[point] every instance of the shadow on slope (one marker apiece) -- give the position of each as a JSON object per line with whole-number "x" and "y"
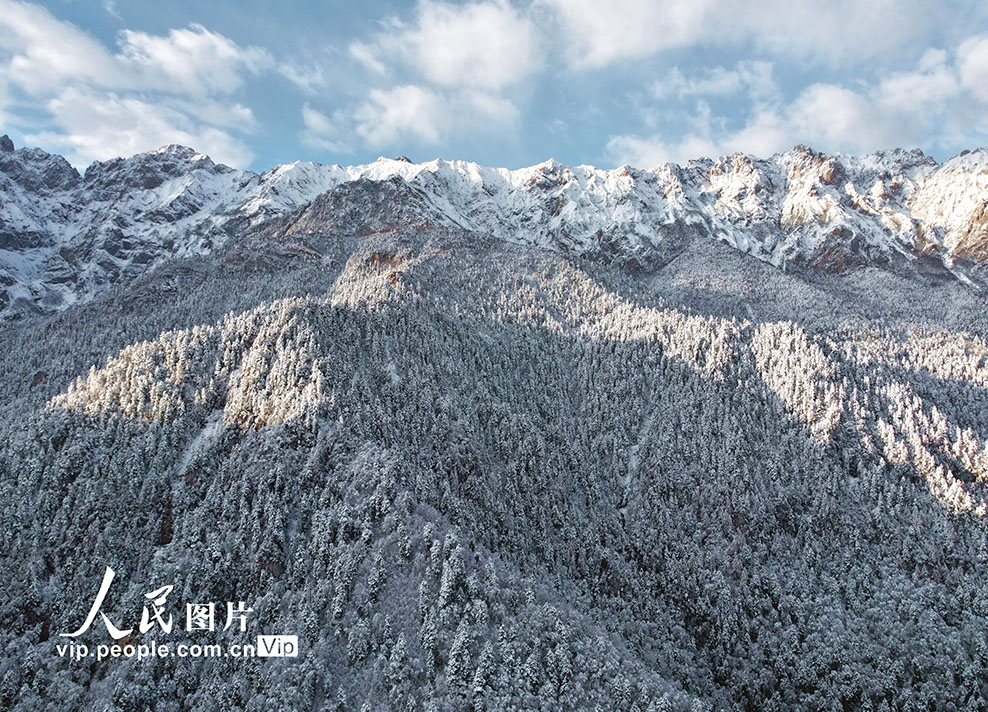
{"x": 696, "y": 503}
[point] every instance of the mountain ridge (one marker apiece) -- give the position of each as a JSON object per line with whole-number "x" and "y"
{"x": 472, "y": 474}
{"x": 65, "y": 236}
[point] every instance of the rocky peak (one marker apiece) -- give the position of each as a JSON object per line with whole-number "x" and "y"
{"x": 147, "y": 171}
{"x": 799, "y": 208}
{"x": 6, "y": 145}
{"x": 37, "y": 171}
{"x": 904, "y": 159}
{"x": 359, "y": 207}
{"x": 953, "y": 201}
{"x": 975, "y": 159}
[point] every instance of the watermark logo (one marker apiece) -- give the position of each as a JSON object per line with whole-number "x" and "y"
{"x": 277, "y": 646}
{"x": 199, "y": 617}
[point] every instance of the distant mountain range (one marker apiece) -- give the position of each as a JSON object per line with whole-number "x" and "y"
{"x": 65, "y": 236}
{"x": 545, "y": 439}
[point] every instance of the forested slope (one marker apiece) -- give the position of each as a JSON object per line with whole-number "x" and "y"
{"x": 476, "y": 475}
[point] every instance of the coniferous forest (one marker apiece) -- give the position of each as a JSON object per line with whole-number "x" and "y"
{"x": 470, "y": 475}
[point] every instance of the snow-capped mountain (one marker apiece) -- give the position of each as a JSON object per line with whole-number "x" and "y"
{"x": 468, "y": 473}
{"x": 65, "y": 236}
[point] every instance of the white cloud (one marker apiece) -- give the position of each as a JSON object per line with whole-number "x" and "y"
{"x": 449, "y": 72}
{"x": 754, "y": 77}
{"x": 933, "y": 82}
{"x": 837, "y": 118}
{"x": 321, "y": 131}
{"x": 408, "y": 113}
{"x": 367, "y": 55}
{"x": 194, "y": 60}
{"x": 927, "y": 106}
{"x": 824, "y": 116}
{"x": 154, "y": 89}
{"x": 837, "y": 32}
{"x": 766, "y": 132}
{"x": 972, "y": 58}
{"x": 491, "y": 108}
{"x": 41, "y": 52}
{"x": 3, "y": 101}
{"x": 595, "y": 34}
{"x": 223, "y": 114}
{"x": 403, "y": 112}
{"x": 100, "y": 126}
{"x": 310, "y": 78}
{"x": 485, "y": 45}
{"x": 718, "y": 81}
{"x": 653, "y": 151}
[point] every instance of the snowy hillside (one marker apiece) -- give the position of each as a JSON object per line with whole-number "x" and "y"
{"x": 475, "y": 475}
{"x": 65, "y": 236}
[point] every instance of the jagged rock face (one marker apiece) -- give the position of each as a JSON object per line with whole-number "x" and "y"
{"x": 360, "y": 207}
{"x": 807, "y": 208}
{"x": 953, "y": 204}
{"x": 65, "y": 237}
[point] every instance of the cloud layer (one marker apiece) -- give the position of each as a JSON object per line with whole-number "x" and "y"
{"x": 452, "y": 69}
{"x": 151, "y": 91}
{"x": 938, "y": 102}
{"x": 461, "y": 68}
{"x": 628, "y": 81}
{"x": 839, "y": 32}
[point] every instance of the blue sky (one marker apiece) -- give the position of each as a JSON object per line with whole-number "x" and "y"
{"x": 504, "y": 83}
